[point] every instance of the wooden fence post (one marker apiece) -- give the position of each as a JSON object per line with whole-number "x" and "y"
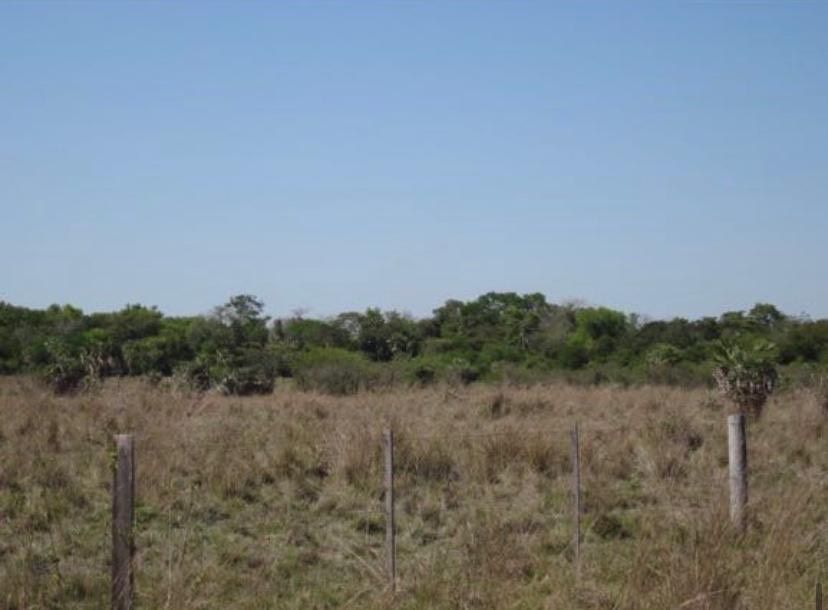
{"x": 390, "y": 533}
{"x": 123, "y": 516}
{"x": 737, "y": 461}
{"x": 576, "y": 497}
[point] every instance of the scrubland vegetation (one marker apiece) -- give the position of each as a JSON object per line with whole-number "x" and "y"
{"x": 275, "y": 501}
{"x": 498, "y": 337}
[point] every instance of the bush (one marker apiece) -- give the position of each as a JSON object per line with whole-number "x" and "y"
{"x": 424, "y": 370}
{"x": 662, "y": 355}
{"x": 451, "y": 369}
{"x": 194, "y": 374}
{"x": 684, "y": 374}
{"x": 520, "y": 374}
{"x": 462, "y": 371}
{"x": 573, "y": 355}
{"x": 65, "y": 376}
{"x": 253, "y": 371}
{"x": 334, "y": 371}
{"x": 423, "y": 373}
{"x": 250, "y": 371}
{"x": 67, "y": 370}
{"x": 143, "y": 356}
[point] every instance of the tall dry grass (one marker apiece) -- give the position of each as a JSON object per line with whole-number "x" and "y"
{"x": 275, "y": 502}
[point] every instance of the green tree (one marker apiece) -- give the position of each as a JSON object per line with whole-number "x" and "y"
{"x": 231, "y": 349}
{"x": 598, "y": 330}
{"x": 302, "y": 333}
{"x": 374, "y": 335}
{"x": 766, "y": 316}
{"x": 244, "y": 315}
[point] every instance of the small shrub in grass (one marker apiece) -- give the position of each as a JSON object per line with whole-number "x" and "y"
{"x": 252, "y": 371}
{"x": 246, "y": 381}
{"x": 334, "y": 371}
{"x": 361, "y": 463}
{"x": 461, "y": 371}
{"x": 428, "y": 369}
{"x": 683, "y": 374}
{"x": 194, "y": 374}
{"x": 496, "y": 406}
{"x": 425, "y": 459}
{"x": 424, "y": 374}
{"x": 519, "y": 374}
{"x": 369, "y": 524}
{"x": 610, "y": 527}
{"x": 148, "y": 355}
{"x": 65, "y": 375}
{"x": 70, "y": 370}
{"x": 244, "y": 373}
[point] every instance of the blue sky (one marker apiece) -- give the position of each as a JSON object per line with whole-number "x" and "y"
{"x": 663, "y": 158}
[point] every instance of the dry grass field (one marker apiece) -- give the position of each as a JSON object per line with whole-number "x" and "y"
{"x": 276, "y": 502}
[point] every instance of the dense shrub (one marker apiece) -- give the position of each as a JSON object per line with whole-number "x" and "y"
{"x": 334, "y": 371}
{"x": 248, "y": 371}
{"x": 65, "y": 372}
{"x": 452, "y": 369}
{"x": 498, "y": 336}
{"x": 422, "y": 373}
{"x": 65, "y": 375}
{"x": 144, "y": 356}
{"x": 252, "y": 371}
{"x": 462, "y": 371}
{"x": 194, "y": 374}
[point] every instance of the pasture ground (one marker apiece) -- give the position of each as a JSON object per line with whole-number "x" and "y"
{"x": 276, "y": 502}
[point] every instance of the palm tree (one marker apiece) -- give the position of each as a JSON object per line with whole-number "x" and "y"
{"x": 746, "y": 374}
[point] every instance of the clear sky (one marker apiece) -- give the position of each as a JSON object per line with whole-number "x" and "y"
{"x": 663, "y": 158}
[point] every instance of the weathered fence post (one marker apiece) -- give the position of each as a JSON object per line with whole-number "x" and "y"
{"x": 737, "y": 461}
{"x": 576, "y": 497}
{"x": 123, "y": 515}
{"x": 390, "y": 533}
{"x": 818, "y": 596}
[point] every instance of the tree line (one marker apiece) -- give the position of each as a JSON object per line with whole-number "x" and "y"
{"x": 238, "y": 349}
